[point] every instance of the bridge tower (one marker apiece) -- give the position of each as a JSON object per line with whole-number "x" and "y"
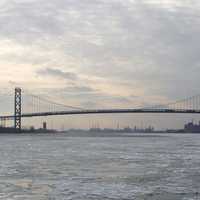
{"x": 18, "y": 107}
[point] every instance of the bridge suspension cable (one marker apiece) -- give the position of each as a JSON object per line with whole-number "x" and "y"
{"x": 39, "y": 104}
{"x": 191, "y": 103}
{"x": 35, "y": 103}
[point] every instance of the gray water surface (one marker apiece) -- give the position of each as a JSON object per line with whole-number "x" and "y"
{"x": 52, "y": 167}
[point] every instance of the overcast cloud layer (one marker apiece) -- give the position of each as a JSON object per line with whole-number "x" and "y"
{"x": 100, "y": 53}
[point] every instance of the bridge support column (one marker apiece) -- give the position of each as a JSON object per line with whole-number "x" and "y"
{"x": 18, "y": 106}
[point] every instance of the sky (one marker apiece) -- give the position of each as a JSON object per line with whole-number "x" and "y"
{"x": 101, "y": 54}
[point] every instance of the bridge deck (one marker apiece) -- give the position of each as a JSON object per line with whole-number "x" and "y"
{"x": 103, "y": 111}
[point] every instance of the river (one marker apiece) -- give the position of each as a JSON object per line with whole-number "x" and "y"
{"x": 153, "y": 167}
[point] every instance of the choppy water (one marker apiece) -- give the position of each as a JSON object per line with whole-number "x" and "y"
{"x": 52, "y": 167}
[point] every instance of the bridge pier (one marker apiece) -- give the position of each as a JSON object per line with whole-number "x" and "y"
{"x": 18, "y": 107}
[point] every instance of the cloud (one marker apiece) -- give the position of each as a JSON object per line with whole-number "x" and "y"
{"x": 57, "y": 73}
{"x": 143, "y": 43}
{"x": 79, "y": 89}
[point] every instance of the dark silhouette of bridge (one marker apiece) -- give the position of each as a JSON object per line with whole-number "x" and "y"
{"x": 189, "y": 105}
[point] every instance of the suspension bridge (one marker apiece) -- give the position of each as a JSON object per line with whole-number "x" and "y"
{"x": 40, "y": 107}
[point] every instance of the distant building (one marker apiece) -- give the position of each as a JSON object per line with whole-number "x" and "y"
{"x": 192, "y": 128}
{"x": 32, "y": 128}
{"x": 44, "y": 126}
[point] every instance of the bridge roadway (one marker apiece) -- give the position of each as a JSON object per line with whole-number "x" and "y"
{"x": 102, "y": 111}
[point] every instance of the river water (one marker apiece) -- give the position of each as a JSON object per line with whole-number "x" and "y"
{"x": 42, "y": 167}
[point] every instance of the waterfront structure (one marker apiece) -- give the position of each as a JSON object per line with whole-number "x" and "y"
{"x": 192, "y": 128}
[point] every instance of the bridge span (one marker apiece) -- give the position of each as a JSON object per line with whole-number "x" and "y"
{"x": 103, "y": 111}
{"x": 186, "y": 106}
